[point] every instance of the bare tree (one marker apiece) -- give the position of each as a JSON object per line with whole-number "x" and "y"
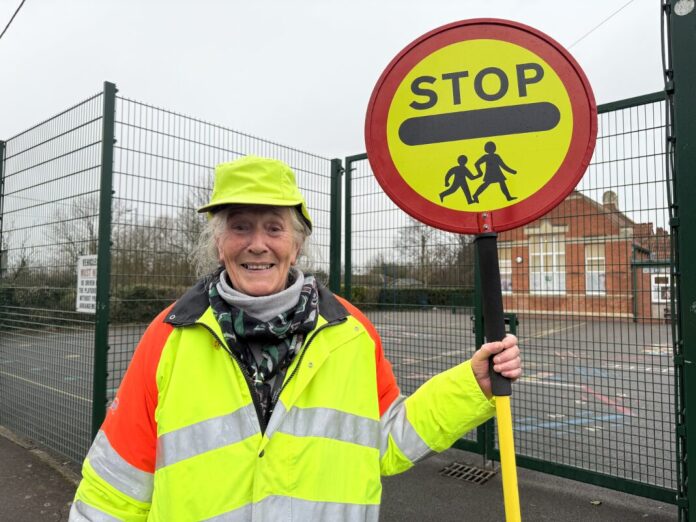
{"x": 15, "y": 260}
{"x": 159, "y": 246}
{"x": 189, "y": 222}
{"x": 423, "y": 247}
{"x": 74, "y": 231}
{"x": 457, "y": 263}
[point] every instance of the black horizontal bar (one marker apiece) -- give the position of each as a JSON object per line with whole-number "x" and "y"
{"x": 479, "y": 123}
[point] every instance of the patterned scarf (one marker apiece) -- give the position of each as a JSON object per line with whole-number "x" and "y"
{"x": 280, "y": 337}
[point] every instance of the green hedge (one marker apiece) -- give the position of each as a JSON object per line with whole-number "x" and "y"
{"x": 367, "y": 297}
{"x": 129, "y": 304}
{"x": 141, "y": 303}
{"x": 426, "y": 297}
{"x": 62, "y": 299}
{"x": 7, "y": 296}
{"x": 41, "y": 306}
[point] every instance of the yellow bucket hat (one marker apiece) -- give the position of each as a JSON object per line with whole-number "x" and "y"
{"x": 252, "y": 180}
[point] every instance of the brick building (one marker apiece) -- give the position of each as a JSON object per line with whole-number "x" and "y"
{"x": 586, "y": 259}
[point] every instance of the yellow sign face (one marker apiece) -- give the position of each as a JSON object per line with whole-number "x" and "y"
{"x": 479, "y": 125}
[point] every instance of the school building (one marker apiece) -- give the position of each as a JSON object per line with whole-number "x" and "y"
{"x": 587, "y": 259}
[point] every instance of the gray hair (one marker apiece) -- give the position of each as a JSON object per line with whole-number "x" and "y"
{"x": 204, "y": 256}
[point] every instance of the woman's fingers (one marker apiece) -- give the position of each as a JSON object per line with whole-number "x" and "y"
{"x": 510, "y": 341}
{"x": 510, "y": 369}
{"x": 506, "y": 357}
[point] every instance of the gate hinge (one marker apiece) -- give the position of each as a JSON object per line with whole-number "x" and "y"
{"x": 681, "y": 430}
{"x": 679, "y": 360}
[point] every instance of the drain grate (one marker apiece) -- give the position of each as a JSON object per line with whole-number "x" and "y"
{"x": 466, "y": 472}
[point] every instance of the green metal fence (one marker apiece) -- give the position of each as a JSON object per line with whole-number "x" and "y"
{"x": 49, "y": 200}
{"x": 118, "y": 181}
{"x": 587, "y": 288}
{"x": 589, "y": 284}
{"x": 162, "y": 172}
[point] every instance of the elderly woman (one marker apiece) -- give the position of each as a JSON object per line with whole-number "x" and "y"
{"x": 260, "y": 395}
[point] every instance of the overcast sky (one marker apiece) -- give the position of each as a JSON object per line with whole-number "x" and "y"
{"x": 296, "y": 72}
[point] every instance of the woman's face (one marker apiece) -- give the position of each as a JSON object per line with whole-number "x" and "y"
{"x": 258, "y": 247}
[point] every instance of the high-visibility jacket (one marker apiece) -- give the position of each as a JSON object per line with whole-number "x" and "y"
{"x": 182, "y": 439}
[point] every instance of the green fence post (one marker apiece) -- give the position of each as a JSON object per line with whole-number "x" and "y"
{"x": 682, "y": 25}
{"x": 348, "y": 263}
{"x": 348, "y": 231}
{"x": 335, "y": 220}
{"x": 3, "y": 253}
{"x": 101, "y": 329}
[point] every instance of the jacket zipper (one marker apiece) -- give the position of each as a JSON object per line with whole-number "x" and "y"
{"x": 247, "y": 378}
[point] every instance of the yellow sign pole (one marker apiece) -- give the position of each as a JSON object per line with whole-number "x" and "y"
{"x": 507, "y": 459}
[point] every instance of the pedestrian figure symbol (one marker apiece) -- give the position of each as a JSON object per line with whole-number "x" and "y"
{"x": 460, "y": 173}
{"x": 494, "y": 172}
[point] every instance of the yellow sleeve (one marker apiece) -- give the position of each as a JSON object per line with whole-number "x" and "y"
{"x": 442, "y": 410}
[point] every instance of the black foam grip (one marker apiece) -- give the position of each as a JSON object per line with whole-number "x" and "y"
{"x": 492, "y": 297}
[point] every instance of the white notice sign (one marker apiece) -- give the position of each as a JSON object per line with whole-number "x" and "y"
{"x": 86, "y": 284}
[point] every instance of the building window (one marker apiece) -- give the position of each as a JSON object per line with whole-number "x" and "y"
{"x": 547, "y": 264}
{"x": 660, "y": 288}
{"x": 595, "y": 270}
{"x": 505, "y": 264}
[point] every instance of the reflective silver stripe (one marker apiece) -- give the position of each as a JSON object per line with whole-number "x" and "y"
{"x": 81, "y": 512}
{"x": 208, "y": 435}
{"x": 327, "y": 423}
{"x": 113, "y": 469}
{"x": 277, "y": 417}
{"x": 288, "y": 508}
{"x": 395, "y": 423}
{"x": 242, "y": 514}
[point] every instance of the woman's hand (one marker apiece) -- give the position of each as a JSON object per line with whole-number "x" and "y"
{"x": 506, "y": 361}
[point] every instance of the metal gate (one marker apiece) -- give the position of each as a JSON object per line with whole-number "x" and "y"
{"x": 117, "y": 180}
{"x": 586, "y": 288}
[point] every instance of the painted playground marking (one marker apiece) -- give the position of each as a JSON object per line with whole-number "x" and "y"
{"x": 13, "y": 376}
{"x": 534, "y": 424}
{"x": 551, "y": 331}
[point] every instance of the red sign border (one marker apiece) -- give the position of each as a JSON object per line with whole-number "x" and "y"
{"x": 562, "y": 183}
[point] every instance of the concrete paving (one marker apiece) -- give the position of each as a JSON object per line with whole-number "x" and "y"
{"x": 36, "y": 487}
{"x": 422, "y": 493}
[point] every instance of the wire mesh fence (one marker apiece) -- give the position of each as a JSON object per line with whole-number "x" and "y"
{"x": 598, "y": 310}
{"x": 163, "y": 172}
{"x": 589, "y": 284}
{"x": 414, "y": 282}
{"x": 49, "y": 214}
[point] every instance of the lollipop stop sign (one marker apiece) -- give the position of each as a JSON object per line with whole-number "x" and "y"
{"x": 477, "y": 127}
{"x": 480, "y": 117}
